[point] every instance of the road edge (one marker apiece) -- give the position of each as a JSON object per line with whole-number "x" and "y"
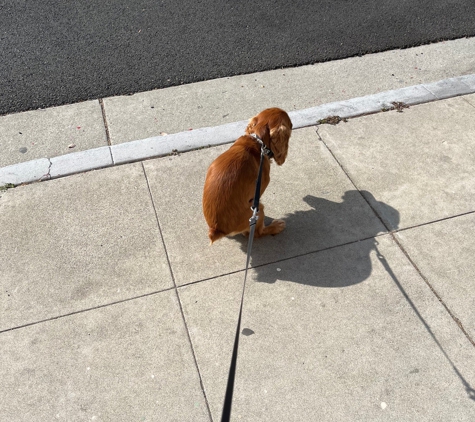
{"x": 159, "y": 146}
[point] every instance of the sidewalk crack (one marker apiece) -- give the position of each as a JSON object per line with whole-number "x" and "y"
{"x": 432, "y": 289}
{"x": 180, "y": 305}
{"x": 469, "y": 102}
{"x": 347, "y": 174}
{"x": 104, "y": 118}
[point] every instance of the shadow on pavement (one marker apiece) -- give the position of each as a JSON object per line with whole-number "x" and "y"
{"x": 325, "y": 226}
{"x": 339, "y": 265}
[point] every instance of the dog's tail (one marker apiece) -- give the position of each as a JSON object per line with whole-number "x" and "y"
{"x": 215, "y": 234}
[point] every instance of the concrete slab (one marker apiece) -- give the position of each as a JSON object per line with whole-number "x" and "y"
{"x": 310, "y": 191}
{"x": 51, "y": 132}
{"x": 211, "y": 309}
{"x": 127, "y": 362}
{"x": 339, "y": 335}
{"x": 226, "y": 100}
{"x": 77, "y": 243}
{"x": 444, "y": 251}
{"x": 419, "y": 162}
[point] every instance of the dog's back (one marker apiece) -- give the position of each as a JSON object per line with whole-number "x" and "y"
{"x": 228, "y": 189}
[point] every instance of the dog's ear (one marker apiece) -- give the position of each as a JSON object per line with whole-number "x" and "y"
{"x": 280, "y": 142}
{"x": 260, "y": 129}
{"x": 251, "y": 125}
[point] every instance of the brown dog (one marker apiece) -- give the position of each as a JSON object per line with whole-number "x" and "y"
{"x": 231, "y": 179}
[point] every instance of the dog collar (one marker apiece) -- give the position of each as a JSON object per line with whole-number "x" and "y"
{"x": 267, "y": 151}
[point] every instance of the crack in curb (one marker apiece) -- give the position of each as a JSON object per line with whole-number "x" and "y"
{"x": 47, "y": 176}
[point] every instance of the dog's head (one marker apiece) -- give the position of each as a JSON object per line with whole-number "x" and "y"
{"x": 274, "y": 127}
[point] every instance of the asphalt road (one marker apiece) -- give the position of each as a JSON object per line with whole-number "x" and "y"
{"x": 55, "y": 52}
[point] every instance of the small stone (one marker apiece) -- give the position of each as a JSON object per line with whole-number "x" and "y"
{"x": 247, "y": 332}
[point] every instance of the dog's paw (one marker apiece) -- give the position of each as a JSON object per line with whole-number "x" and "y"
{"x": 277, "y": 226}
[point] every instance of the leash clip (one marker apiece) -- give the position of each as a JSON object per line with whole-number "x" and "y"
{"x": 254, "y": 217}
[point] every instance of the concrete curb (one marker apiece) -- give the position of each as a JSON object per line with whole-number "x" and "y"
{"x": 64, "y": 165}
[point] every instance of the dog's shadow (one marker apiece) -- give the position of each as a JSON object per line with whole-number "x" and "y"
{"x": 351, "y": 224}
{"x": 329, "y": 246}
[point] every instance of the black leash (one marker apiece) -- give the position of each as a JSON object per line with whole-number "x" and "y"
{"x": 228, "y": 398}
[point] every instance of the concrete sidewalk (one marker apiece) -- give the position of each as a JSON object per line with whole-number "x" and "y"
{"x": 114, "y": 307}
{"x": 49, "y": 143}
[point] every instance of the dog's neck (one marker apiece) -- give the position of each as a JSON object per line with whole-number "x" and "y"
{"x": 266, "y": 150}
